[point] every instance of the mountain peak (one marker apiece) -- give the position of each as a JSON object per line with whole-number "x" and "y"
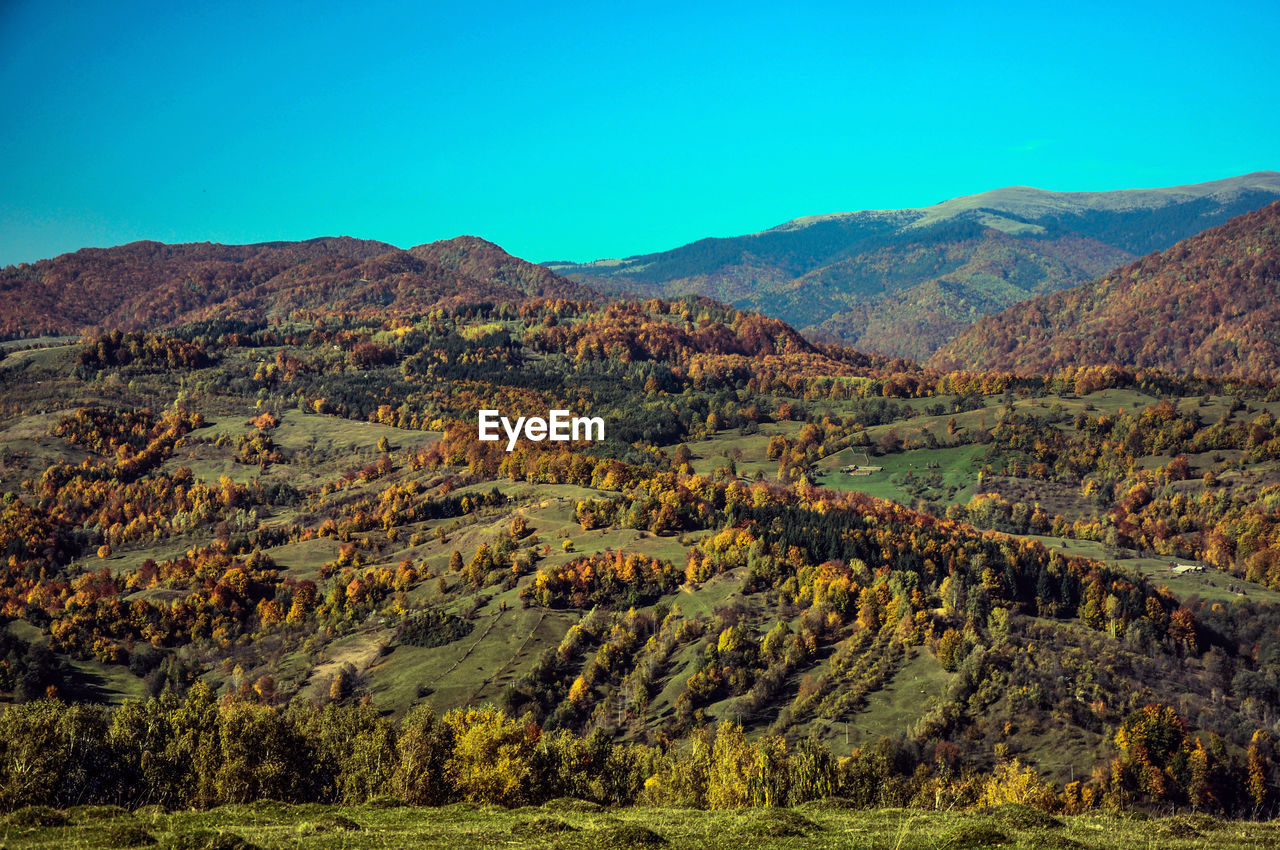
{"x": 480, "y": 258}
{"x": 467, "y": 243}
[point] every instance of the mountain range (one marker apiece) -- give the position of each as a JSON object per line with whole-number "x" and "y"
{"x": 146, "y": 285}
{"x": 901, "y": 283}
{"x": 905, "y": 282}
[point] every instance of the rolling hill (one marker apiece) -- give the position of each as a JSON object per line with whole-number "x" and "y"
{"x": 1208, "y": 305}
{"x": 150, "y": 284}
{"x": 287, "y": 535}
{"x": 904, "y": 282}
{"x": 275, "y": 551}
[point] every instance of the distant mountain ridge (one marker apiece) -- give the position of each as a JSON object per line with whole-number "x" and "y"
{"x": 151, "y": 284}
{"x": 1208, "y": 305}
{"x": 1027, "y": 203}
{"x": 904, "y": 282}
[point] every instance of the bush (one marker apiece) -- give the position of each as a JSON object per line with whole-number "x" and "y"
{"x": 974, "y": 835}
{"x": 492, "y": 758}
{"x": 1020, "y": 816}
{"x": 777, "y": 823}
{"x": 628, "y": 835}
{"x": 433, "y": 628}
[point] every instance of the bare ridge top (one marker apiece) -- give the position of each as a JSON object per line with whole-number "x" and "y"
{"x": 1030, "y": 202}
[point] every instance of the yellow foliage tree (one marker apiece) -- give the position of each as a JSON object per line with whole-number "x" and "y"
{"x": 492, "y": 758}
{"x": 1014, "y": 782}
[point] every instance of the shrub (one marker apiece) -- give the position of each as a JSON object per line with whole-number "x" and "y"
{"x": 433, "y": 628}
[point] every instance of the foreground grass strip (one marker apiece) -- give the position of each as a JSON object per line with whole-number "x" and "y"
{"x": 270, "y": 825}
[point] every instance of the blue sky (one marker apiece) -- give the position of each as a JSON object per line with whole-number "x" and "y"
{"x": 580, "y": 130}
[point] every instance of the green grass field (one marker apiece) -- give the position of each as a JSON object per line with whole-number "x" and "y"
{"x": 474, "y": 669}
{"x": 946, "y": 475}
{"x": 299, "y": 430}
{"x": 918, "y": 685}
{"x": 43, "y": 356}
{"x": 748, "y": 451}
{"x": 579, "y": 824}
{"x": 914, "y": 689}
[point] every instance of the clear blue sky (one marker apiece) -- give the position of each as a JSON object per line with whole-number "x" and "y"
{"x": 585, "y": 130}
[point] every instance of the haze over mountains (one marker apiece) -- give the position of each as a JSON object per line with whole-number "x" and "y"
{"x": 905, "y": 282}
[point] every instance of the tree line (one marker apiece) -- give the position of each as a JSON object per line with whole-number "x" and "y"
{"x": 201, "y": 752}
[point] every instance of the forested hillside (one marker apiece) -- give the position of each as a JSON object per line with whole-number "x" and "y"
{"x": 905, "y": 282}
{"x": 149, "y": 285}
{"x": 259, "y": 548}
{"x": 1208, "y": 305}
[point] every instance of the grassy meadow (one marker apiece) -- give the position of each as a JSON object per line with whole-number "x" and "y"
{"x": 579, "y": 824}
